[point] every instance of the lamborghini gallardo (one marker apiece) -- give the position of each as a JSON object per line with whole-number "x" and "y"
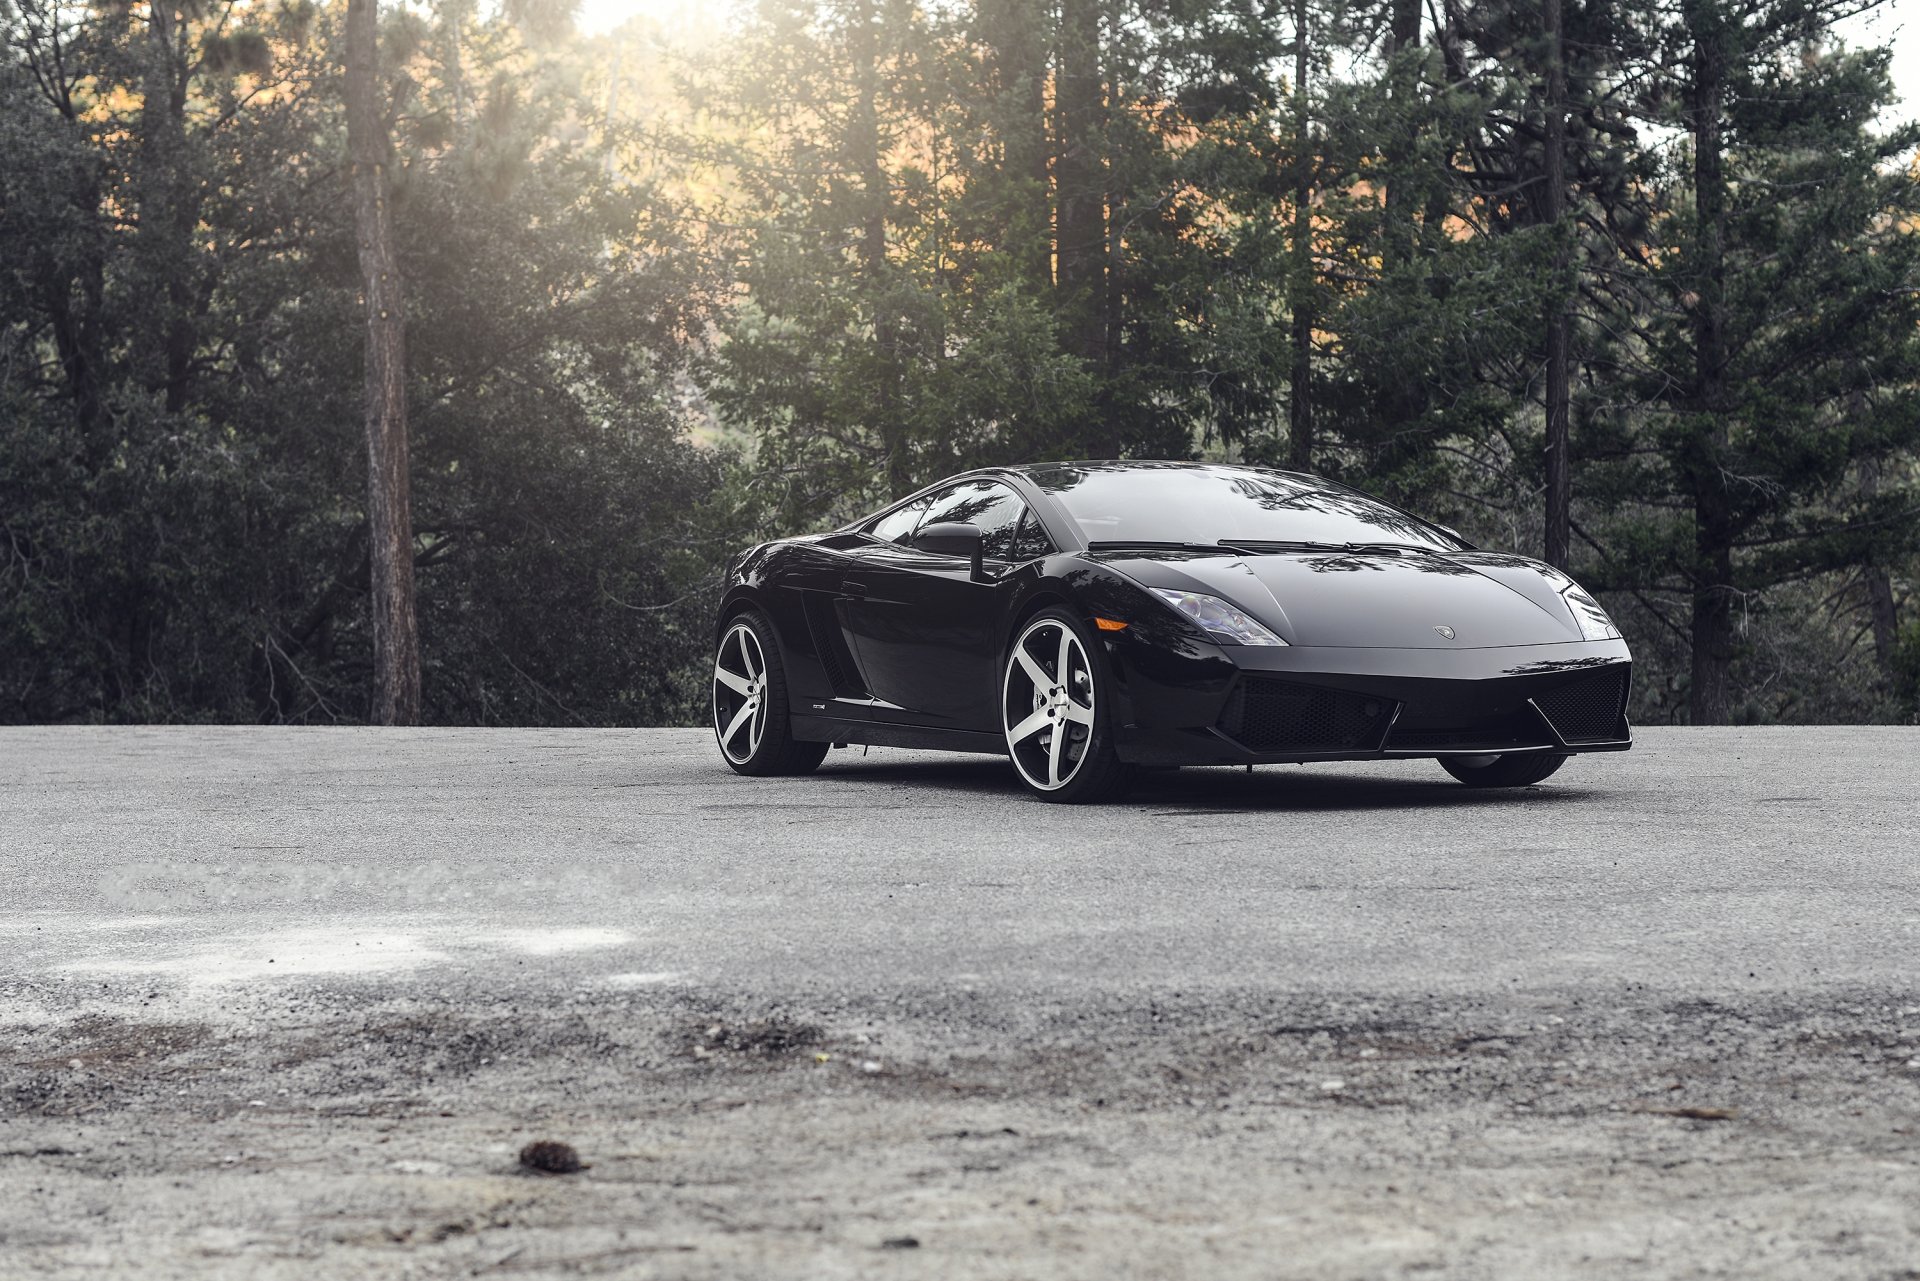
{"x": 1087, "y": 618}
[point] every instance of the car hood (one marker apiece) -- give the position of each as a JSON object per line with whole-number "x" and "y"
{"x": 1367, "y": 599}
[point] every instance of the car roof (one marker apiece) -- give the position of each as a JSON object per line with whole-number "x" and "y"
{"x": 1029, "y": 472}
{"x": 1150, "y": 465}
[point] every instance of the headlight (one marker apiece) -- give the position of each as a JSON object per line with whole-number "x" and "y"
{"x": 1218, "y": 617}
{"x": 1594, "y": 623}
{"x": 1593, "y": 620}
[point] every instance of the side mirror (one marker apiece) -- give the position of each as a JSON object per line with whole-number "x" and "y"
{"x": 950, "y": 538}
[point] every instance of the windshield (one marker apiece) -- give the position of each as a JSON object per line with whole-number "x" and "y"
{"x": 1206, "y": 505}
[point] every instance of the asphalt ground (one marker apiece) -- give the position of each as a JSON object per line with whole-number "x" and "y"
{"x": 288, "y": 1002}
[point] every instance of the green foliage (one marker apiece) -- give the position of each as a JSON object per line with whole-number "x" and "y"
{"x": 1762, "y": 348}
{"x": 1906, "y": 670}
{"x": 183, "y": 537}
{"x": 880, "y": 242}
{"x": 907, "y": 312}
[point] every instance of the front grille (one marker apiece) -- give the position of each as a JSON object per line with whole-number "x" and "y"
{"x": 1268, "y": 715}
{"x": 1589, "y": 709}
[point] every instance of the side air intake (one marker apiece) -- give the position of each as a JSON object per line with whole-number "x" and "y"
{"x": 1590, "y": 709}
{"x": 823, "y": 626}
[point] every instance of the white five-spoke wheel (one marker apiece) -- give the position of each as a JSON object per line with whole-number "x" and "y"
{"x": 750, "y": 702}
{"x": 1051, "y": 712}
{"x": 740, "y": 693}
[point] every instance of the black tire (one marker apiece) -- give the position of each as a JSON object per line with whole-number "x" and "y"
{"x": 761, "y": 742}
{"x": 1073, "y": 707}
{"x": 1515, "y": 769}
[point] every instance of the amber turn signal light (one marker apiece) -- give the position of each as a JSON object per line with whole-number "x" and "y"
{"x": 1109, "y": 624}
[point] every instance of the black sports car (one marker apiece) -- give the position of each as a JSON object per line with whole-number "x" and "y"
{"x": 1087, "y": 617}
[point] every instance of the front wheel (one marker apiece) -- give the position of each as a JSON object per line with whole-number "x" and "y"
{"x": 1514, "y": 769}
{"x": 1053, "y": 705}
{"x": 750, "y": 703}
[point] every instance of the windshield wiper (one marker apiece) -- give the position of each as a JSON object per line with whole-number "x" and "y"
{"x": 1150, "y": 545}
{"x": 1284, "y": 545}
{"x": 1249, "y": 545}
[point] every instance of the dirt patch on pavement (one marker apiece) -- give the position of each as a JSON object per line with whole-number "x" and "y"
{"x": 357, "y": 1132}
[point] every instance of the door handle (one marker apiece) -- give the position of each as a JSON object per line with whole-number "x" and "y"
{"x": 853, "y": 588}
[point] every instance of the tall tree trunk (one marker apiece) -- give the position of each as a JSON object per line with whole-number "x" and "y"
{"x": 1448, "y": 38}
{"x": 1080, "y": 218}
{"x": 1113, "y": 301}
{"x": 1713, "y": 585}
{"x": 1303, "y": 284}
{"x": 1885, "y": 613}
{"x": 1882, "y": 609}
{"x": 168, "y": 210}
{"x": 1404, "y": 395}
{"x": 1403, "y": 33}
{"x": 1014, "y": 32}
{"x": 1559, "y": 322}
{"x": 396, "y": 639}
{"x": 74, "y": 302}
{"x": 863, "y": 142}
{"x": 72, "y": 289}
{"x": 609, "y": 163}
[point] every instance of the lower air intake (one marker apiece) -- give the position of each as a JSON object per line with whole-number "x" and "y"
{"x": 1491, "y": 738}
{"x": 1268, "y": 715}
{"x": 1588, "y": 710}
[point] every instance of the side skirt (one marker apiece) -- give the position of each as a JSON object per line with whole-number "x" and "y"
{"x": 830, "y": 729}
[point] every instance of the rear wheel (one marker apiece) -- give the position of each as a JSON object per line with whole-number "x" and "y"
{"x": 1053, "y": 701}
{"x": 1514, "y": 769}
{"x": 750, "y": 703}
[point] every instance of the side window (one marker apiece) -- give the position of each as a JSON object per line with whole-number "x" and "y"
{"x": 944, "y": 502}
{"x": 894, "y": 527}
{"x": 1032, "y": 541}
{"x": 994, "y": 509}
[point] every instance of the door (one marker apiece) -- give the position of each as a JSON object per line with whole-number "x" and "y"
{"x": 924, "y": 628}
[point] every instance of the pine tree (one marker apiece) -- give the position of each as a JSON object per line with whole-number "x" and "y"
{"x": 937, "y": 276}
{"x": 1765, "y": 318}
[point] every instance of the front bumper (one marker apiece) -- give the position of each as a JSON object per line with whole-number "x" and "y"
{"x": 1235, "y": 705}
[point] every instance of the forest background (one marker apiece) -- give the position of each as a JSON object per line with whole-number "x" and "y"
{"x": 1632, "y": 285}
